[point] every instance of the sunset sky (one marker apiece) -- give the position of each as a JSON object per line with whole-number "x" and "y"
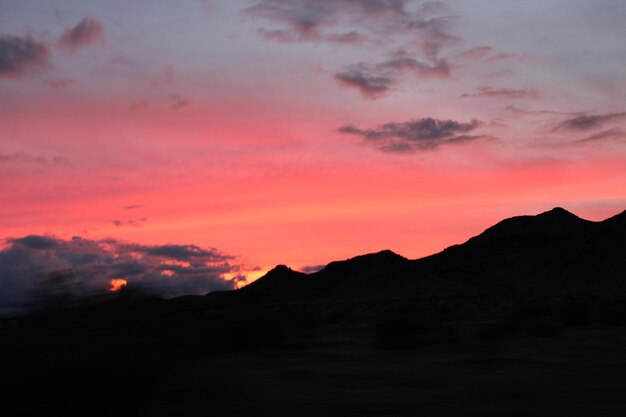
{"x": 225, "y": 137}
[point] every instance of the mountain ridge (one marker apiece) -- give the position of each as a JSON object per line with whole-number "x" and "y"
{"x": 529, "y": 252}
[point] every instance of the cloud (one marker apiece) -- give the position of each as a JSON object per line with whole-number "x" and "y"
{"x": 38, "y": 270}
{"x": 434, "y": 33}
{"x": 416, "y": 135}
{"x": 132, "y": 207}
{"x": 508, "y": 93}
{"x": 35, "y": 242}
{"x": 415, "y": 35}
{"x": 376, "y": 80}
{"x": 186, "y": 253}
{"x": 402, "y": 63}
{"x": 615, "y": 133}
{"x": 489, "y": 54}
{"x": 518, "y": 112}
{"x": 315, "y": 21}
{"x": 19, "y": 55}
{"x": 87, "y": 32}
{"x": 587, "y": 122}
{"x": 372, "y": 82}
{"x": 353, "y": 21}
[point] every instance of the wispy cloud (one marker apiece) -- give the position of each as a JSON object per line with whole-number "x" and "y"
{"x": 489, "y": 54}
{"x": 416, "y": 135}
{"x": 328, "y": 21}
{"x": 587, "y": 121}
{"x": 605, "y": 135}
{"x": 508, "y": 93}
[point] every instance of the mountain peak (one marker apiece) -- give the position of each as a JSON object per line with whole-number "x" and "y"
{"x": 280, "y": 269}
{"x": 383, "y": 255}
{"x": 558, "y": 212}
{"x": 279, "y": 280}
{"x": 280, "y": 272}
{"x": 382, "y": 259}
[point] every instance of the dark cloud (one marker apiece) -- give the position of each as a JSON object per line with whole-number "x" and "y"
{"x": 416, "y": 135}
{"x": 35, "y": 242}
{"x": 376, "y": 80}
{"x": 372, "y": 82}
{"x": 87, "y": 32}
{"x": 36, "y": 270}
{"x": 19, "y": 55}
{"x": 615, "y": 133}
{"x": 587, "y": 121}
{"x": 132, "y": 207}
{"x": 508, "y": 93}
{"x": 186, "y": 253}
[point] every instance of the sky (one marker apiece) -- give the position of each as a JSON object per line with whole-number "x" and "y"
{"x": 194, "y": 145}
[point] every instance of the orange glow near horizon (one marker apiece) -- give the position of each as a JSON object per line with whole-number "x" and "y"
{"x": 117, "y": 284}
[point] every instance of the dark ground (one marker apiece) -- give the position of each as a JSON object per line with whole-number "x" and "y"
{"x": 147, "y": 358}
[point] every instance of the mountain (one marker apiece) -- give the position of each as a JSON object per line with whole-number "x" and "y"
{"x": 493, "y": 319}
{"x": 553, "y": 253}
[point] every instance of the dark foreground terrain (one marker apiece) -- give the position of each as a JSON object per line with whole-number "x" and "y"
{"x": 529, "y": 318}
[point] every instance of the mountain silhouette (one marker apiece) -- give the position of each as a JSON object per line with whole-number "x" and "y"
{"x": 554, "y": 252}
{"x": 492, "y": 325}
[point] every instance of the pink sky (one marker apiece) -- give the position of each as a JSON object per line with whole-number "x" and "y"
{"x": 301, "y": 132}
